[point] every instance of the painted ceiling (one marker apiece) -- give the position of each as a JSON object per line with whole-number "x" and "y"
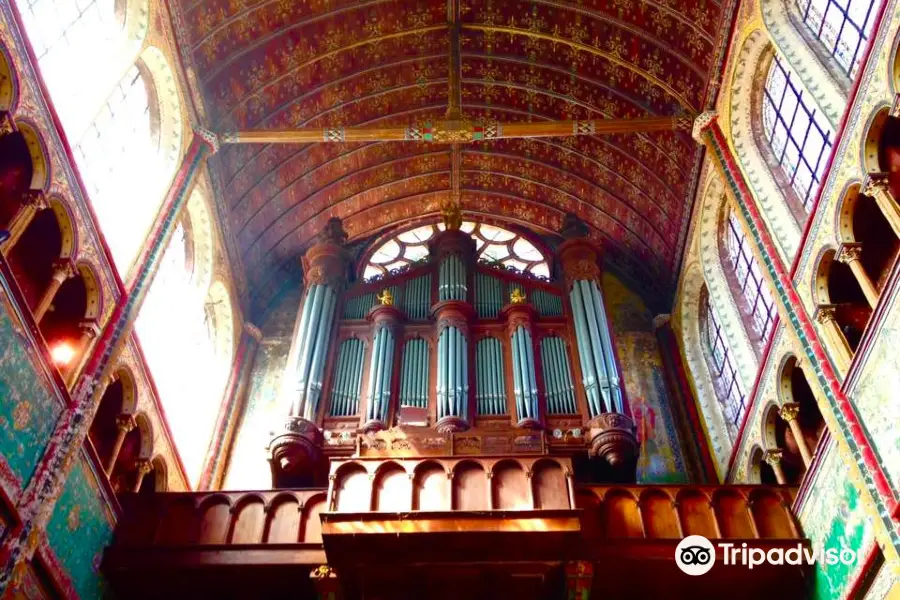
{"x": 323, "y": 63}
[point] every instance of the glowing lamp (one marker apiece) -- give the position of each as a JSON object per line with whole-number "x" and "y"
{"x": 62, "y": 353}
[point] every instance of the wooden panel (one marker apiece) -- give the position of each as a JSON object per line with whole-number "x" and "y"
{"x": 249, "y": 521}
{"x": 432, "y": 488}
{"x": 178, "y": 523}
{"x": 510, "y": 487}
{"x": 696, "y": 515}
{"x": 214, "y": 522}
{"x": 771, "y": 516}
{"x": 470, "y": 487}
{"x": 551, "y": 489}
{"x": 393, "y": 492}
{"x": 733, "y": 515}
{"x": 312, "y": 523}
{"x": 353, "y": 490}
{"x": 621, "y": 517}
{"x": 284, "y": 521}
{"x": 659, "y": 516}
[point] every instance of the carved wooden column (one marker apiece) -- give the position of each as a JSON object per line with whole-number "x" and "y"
{"x": 773, "y": 459}
{"x": 143, "y": 466}
{"x": 90, "y": 329}
{"x": 33, "y": 201}
{"x": 878, "y": 187}
{"x": 850, "y": 255}
{"x": 124, "y": 425}
{"x": 834, "y": 338}
{"x": 789, "y": 413}
{"x": 63, "y": 269}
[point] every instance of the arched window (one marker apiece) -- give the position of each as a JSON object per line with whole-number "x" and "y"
{"x": 77, "y": 44}
{"x": 758, "y": 304}
{"x": 120, "y": 160}
{"x": 798, "y": 135}
{"x": 180, "y": 328}
{"x": 725, "y": 377}
{"x": 495, "y": 245}
{"x": 843, "y": 27}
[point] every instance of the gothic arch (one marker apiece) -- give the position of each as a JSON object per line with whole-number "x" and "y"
{"x": 66, "y": 226}
{"x": 9, "y": 84}
{"x": 768, "y": 426}
{"x": 714, "y": 420}
{"x": 92, "y": 287}
{"x": 201, "y": 246}
{"x": 721, "y": 294}
{"x": 168, "y": 104}
{"x": 136, "y": 16}
{"x": 145, "y": 428}
{"x": 870, "y": 149}
{"x": 801, "y": 51}
{"x": 129, "y": 389}
{"x": 37, "y": 148}
{"x": 755, "y": 56}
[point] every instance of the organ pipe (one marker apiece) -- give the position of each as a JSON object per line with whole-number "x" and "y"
{"x": 453, "y": 384}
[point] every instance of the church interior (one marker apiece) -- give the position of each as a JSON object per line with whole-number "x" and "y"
{"x": 370, "y": 299}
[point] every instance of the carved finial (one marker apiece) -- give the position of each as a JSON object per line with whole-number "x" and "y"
{"x": 452, "y": 215}
{"x": 517, "y": 296}
{"x": 333, "y": 232}
{"x": 386, "y": 297}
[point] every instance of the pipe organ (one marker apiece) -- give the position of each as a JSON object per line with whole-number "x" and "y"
{"x": 452, "y": 344}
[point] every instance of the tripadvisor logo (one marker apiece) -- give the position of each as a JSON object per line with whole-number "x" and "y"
{"x": 696, "y": 555}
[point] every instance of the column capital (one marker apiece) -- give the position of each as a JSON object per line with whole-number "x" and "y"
{"x": 773, "y": 457}
{"x": 701, "y": 123}
{"x": 209, "y": 138}
{"x": 386, "y": 314}
{"x": 453, "y": 313}
{"x": 875, "y": 183}
{"x": 580, "y": 259}
{"x": 125, "y": 423}
{"x": 825, "y": 313}
{"x": 849, "y": 252}
{"x": 253, "y": 331}
{"x": 661, "y": 320}
{"x": 63, "y": 268}
{"x": 7, "y": 123}
{"x": 789, "y": 411}
{"x": 143, "y": 466}
{"x": 325, "y": 263}
{"x": 89, "y": 328}
{"x": 35, "y": 199}
{"x": 518, "y": 314}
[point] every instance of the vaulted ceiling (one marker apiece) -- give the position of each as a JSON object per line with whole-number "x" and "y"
{"x": 321, "y": 63}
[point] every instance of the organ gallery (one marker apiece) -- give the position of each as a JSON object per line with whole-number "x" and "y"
{"x": 506, "y": 299}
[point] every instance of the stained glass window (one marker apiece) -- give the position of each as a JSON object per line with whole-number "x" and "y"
{"x": 122, "y": 167}
{"x": 495, "y": 245}
{"x": 76, "y": 43}
{"x": 724, "y": 375}
{"x": 754, "y": 289}
{"x": 798, "y": 134}
{"x": 843, "y": 26}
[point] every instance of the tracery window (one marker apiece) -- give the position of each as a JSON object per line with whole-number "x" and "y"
{"x": 179, "y": 339}
{"x": 843, "y": 27}
{"x": 495, "y": 245}
{"x": 798, "y": 134}
{"x": 76, "y": 43}
{"x": 724, "y": 375}
{"x": 760, "y": 306}
{"x": 122, "y": 167}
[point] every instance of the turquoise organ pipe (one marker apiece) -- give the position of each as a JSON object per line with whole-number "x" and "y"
{"x": 582, "y": 337}
{"x": 423, "y": 373}
{"x": 314, "y": 348}
{"x": 464, "y": 359}
{"x": 609, "y": 351}
{"x": 307, "y": 334}
{"x": 452, "y": 278}
{"x": 549, "y": 370}
{"x": 320, "y": 355}
{"x": 387, "y": 378}
{"x": 373, "y": 375}
{"x": 488, "y": 296}
{"x": 560, "y": 391}
{"x": 357, "y": 307}
{"x": 517, "y": 377}
{"x": 546, "y": 303}
{"x": 495, "y": 366}
{"x": 345, "y": 389}
{"x": 414, "y": 388}
{"x": 356, "y": 378}
{"x": 442, "y": 374}
{"x": 417, "y": 297}
{"x": 451, "y": 371}
{"x": 532, "y": 375}
{"x": 594, "y": 341}
{"x": 338, "y": 397}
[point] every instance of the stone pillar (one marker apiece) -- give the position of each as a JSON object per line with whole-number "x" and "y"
{"x": 33, "y": 201}
{"x": 773, "y": 459}
{"x": 520, "y": 319}
{"x": 143, "y": 466}
{"x": 295, "y": 452}
{"x": 789, "y": 413}
{"x": 233, "y": 403}
{"x": 878, "y": 187}
{"x": 850, "y": 254}
{"x": 834, "y": 338}
{"x": 63, "y": 269}
{"x": 124, "y": 425}
{"x": 386, "y": 323}
{"x": 41, "y": 492}
{"x": 90, "y": 329}
{"x": 707, "y": 132}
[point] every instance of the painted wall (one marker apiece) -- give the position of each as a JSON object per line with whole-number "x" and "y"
{"x": 662, "y": 458}
{"x": 80, "y": 528}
